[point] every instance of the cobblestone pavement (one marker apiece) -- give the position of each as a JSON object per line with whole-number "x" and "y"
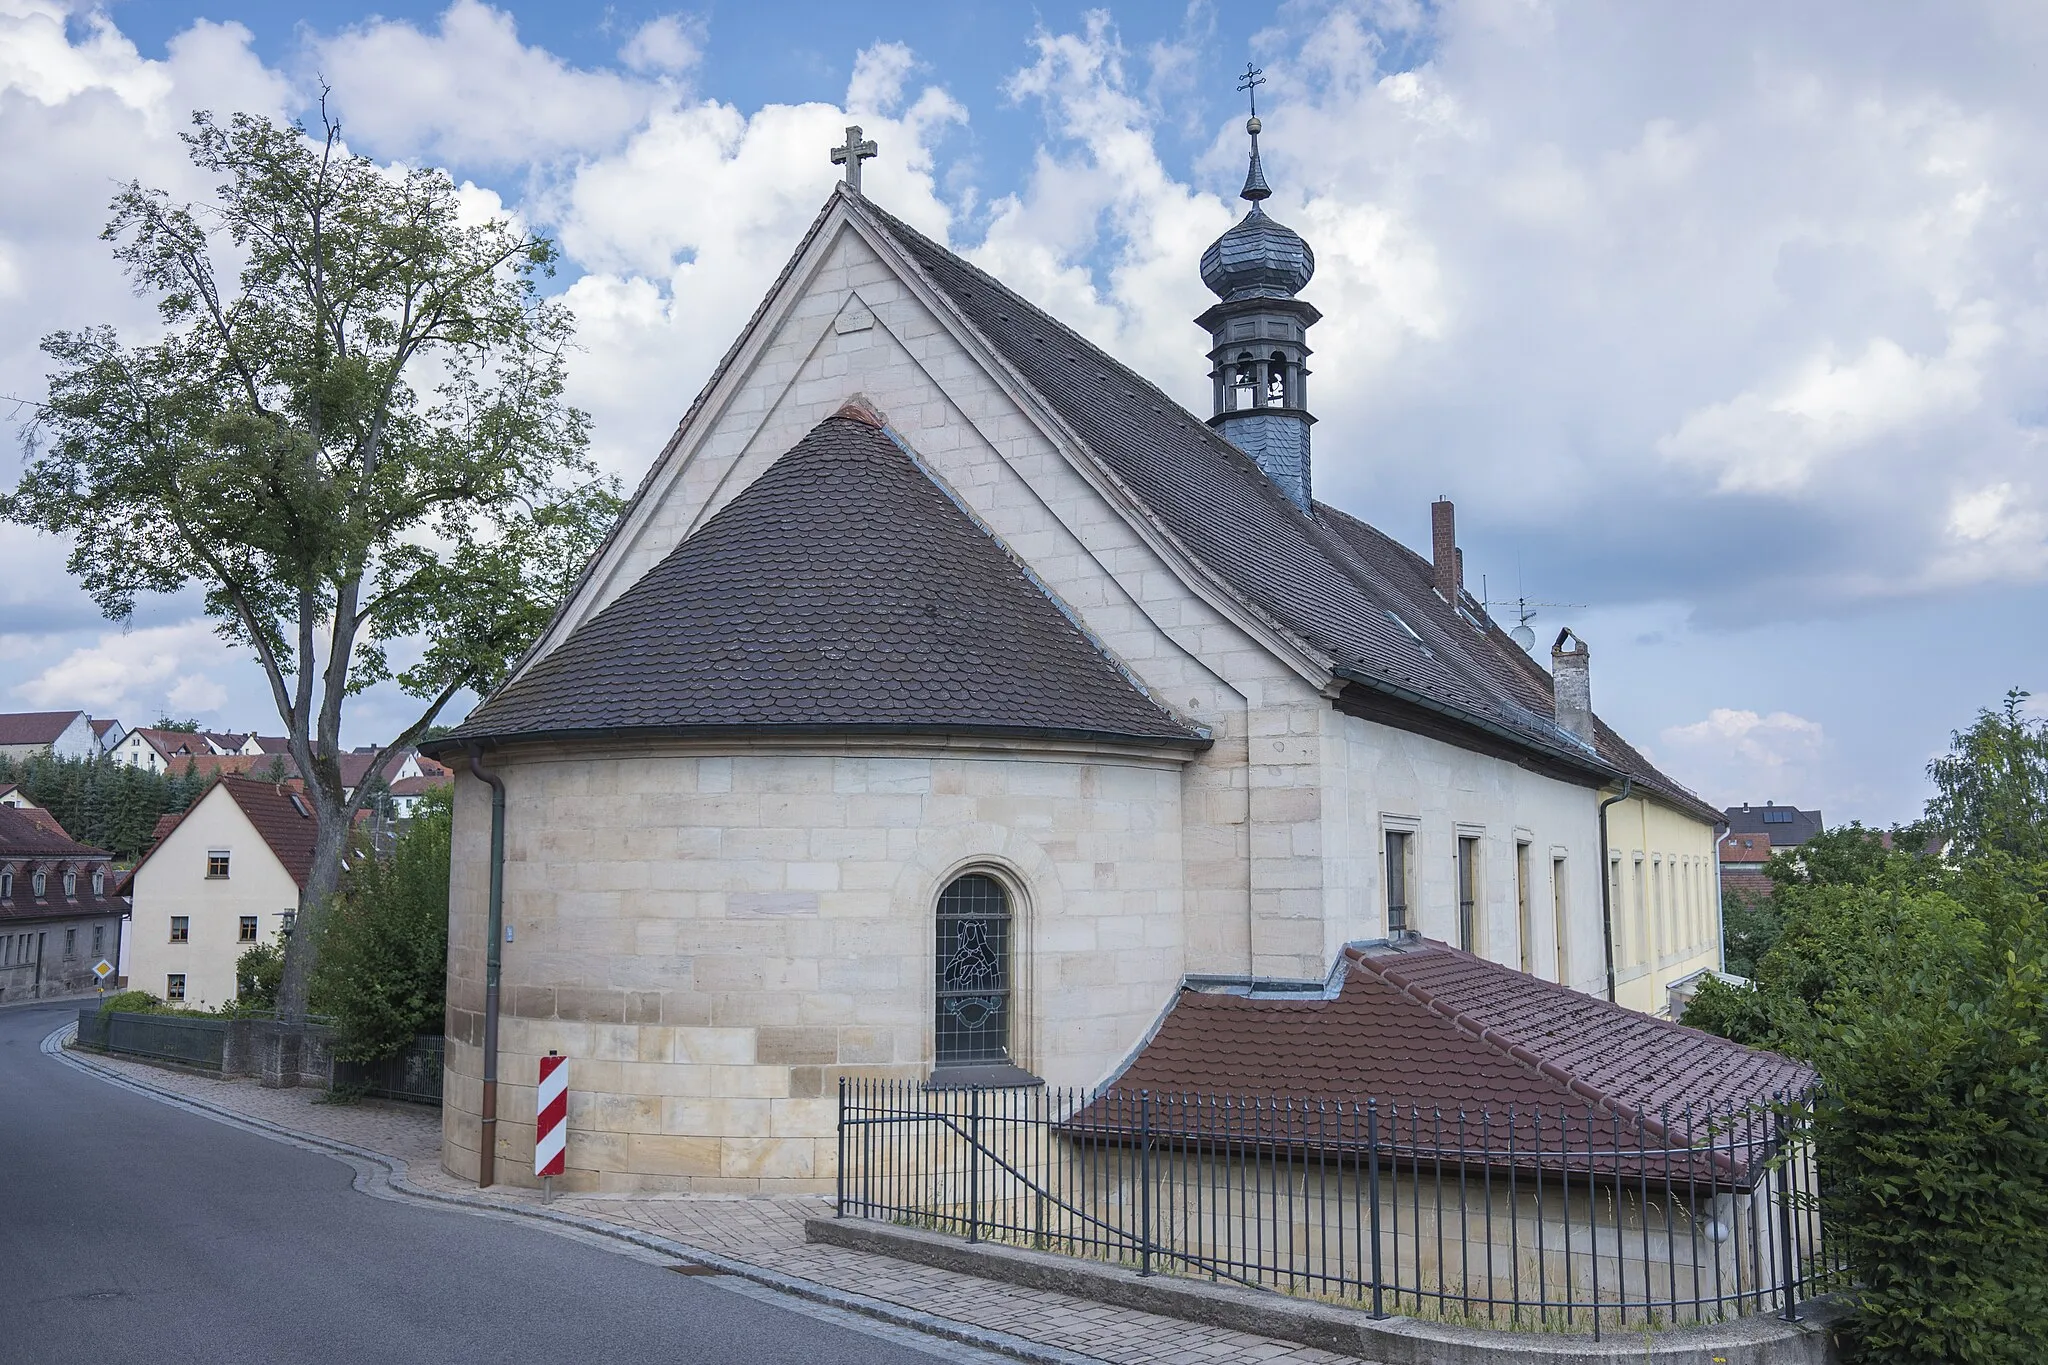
{"x": 762, "y": 1231}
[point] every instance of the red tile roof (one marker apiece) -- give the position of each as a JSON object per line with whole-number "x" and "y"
{"x": 282, "y": 817}
{"x": 24, "y": 836}
{"x": 1424, "y": 1028}
{"x": 1746, "y": 848}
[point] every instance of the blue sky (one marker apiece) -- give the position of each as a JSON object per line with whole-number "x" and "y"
{"x": 1726, "y": 327}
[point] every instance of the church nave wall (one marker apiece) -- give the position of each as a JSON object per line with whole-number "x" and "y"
{"x": 713, "y": 938}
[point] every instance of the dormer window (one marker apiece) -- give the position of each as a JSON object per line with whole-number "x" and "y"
{"x": 39, "y": 884}
{"x": 99, "y": 881}
{"x": 6, "y": 883}
{"x": 70, "y": 884}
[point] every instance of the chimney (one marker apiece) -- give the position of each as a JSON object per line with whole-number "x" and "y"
{"x": 1443, "y": 549}
{"x": 1572, "y": 687}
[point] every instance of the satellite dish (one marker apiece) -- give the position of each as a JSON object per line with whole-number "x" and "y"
{"x": 1523, "y": 636}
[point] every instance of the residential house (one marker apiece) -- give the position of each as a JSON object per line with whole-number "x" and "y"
{"x": 1742, "y": 863}
{"x": 223, "y": 876}
{"x": 107, "y": 734}
{"x": 59, "y": 911}
{"x": 948, "y": 696}
{"x": 160, "y": 750}
{"x": 60, "y": 734}
{"x": 1787, "y": 826}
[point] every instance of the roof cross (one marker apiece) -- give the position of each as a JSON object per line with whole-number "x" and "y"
{"x": 1250, "y": 82}
{"x": 852, "y": 154}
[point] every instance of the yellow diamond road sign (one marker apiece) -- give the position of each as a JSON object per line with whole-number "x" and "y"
{"x": 103, "y": 969}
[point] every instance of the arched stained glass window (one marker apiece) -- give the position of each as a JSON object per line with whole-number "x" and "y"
{"x": 973, "y": 1015}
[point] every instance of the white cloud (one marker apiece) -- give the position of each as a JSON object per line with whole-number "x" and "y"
{"x": 670, "y": 45}
{"x": 472, "y": 93}
{"x": 1735, "y": 754}
{"x": 138, "y": 668}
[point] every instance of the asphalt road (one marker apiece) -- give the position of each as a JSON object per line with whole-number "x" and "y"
{"x": 130, "y": 1230}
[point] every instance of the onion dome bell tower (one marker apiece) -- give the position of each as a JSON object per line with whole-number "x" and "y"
{"x": 1259, "y": 352}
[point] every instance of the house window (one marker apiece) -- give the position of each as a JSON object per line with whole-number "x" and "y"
{"x": 99, "y": 881}
{"x": 1397, "y": 882}
{"x": 1558, "y": 907}
{"x": 174, "y": 986}
{"x": 1524, "y": 928}
{"x": 99, "y": 939}
{"x": 39, "y": 884}
{"x": 1468, "y": 894}
{"x": 248, "y": 934}
{"x": 216, "y": 863}
{"x": 70, "y": 943}
{"x": 972, "y": 1023}
{"x": 1642, "y": 939}
{"x": 70, "y": 884}
{"x": 6, "y": 884}
{"x": 181, "y": 928}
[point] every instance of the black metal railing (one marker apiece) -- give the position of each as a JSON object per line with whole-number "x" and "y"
{"x": 1550, "y": 1217}
{"x": 160, "y": 1037}
{"x": 413, "y": 1075}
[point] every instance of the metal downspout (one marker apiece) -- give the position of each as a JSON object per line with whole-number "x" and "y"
{"x": 1628, "y": 785}
{"x": 487, "y": 1145}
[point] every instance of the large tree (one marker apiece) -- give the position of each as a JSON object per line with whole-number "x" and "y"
{"x": 351, "y": 437}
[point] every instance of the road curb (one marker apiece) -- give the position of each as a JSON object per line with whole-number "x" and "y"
{"x": 385, "y": 1177}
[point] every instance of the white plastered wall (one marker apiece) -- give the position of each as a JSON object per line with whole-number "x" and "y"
{"x": 173, "y": 881}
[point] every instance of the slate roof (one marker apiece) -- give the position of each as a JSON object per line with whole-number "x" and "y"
{"x": 1423, "y": 1028}
{"x": 842, "y": 591}
{"x": 1331, "y": 580}
{"x": 1791, "y": 828}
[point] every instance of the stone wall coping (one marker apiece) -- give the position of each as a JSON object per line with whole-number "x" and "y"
{"x": 512, "y": 749}
{"x": 1763, "y": 1339}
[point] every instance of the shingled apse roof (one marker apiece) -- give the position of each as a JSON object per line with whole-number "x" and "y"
{"x": 843, "y": 590}
{"x": 1437, "y": 1036}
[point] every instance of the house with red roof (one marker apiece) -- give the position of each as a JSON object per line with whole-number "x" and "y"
{"x": 61, "y": 734}
{"x": 59, "y": 911}
{"x": 220, "y": 878}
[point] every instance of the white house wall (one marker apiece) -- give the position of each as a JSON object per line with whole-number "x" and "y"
{"x": 173, "y": 881}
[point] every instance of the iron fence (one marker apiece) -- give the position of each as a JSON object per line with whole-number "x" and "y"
{"x": 413, "y": 1075}
{"x": 175, "y": 1038}
{"x": 1562, "y": 1218}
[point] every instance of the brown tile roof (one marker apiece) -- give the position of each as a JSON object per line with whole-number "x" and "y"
{"x": 841, "y": 591}
{"x": 45, "y": 819}
{"x": 24, "y": 836}
{"x": 1423, "y": 1029}
{"x": 284, "y": 819}
{"x": 1746, "y": 848}
{"x": 35, "y": 727}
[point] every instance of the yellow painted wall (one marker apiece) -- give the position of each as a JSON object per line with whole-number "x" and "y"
{"x": 1661, "y": 880}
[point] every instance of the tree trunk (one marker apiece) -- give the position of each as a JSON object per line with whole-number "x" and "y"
{"x": 302, "y": 948}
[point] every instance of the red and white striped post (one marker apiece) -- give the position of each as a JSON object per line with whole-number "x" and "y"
{"x": 551, "y": 1123}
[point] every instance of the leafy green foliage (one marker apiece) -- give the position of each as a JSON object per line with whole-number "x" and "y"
{"x": 257, "y": 974}
{"x": 1750, "y": 924}
{"x": 130, "y": 1002}
{"x": 101, "y": 802}
{"x": 183, "y": 727}
{"x": 358, "y": 438}
{"x": 1918, "y": 989}
{"x": 383, "y": 969}
{"x": 1992, "y": 786}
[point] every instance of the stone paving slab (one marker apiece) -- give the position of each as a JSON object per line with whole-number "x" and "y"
{"x": 759, "y": 1230}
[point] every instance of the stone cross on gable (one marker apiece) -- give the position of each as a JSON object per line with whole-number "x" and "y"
{"x": 851, "y": 155}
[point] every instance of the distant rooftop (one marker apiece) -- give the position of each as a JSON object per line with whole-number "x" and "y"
{"x": 1788, "y": 826}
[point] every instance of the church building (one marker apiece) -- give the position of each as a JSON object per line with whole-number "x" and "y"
{"x": 948, "y": 700}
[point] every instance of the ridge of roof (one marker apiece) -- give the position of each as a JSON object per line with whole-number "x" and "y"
{"x": 772, "y": 618}
{"x": 1294, "y": 567}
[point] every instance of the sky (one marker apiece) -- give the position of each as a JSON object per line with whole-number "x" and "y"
{"x": 1723, "y": 325}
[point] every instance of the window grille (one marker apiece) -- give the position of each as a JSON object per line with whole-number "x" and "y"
{"x": 972, "y": 1025}
{"x": 1468, "y": 893}
{"x": 217, "y": 863}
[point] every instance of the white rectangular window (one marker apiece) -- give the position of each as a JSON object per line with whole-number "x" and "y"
{"x": 1558, "y": 906}
{"x": 174, "y": 986}
{"x": 1397, "y": 881}
{"x": 216, "y": 863}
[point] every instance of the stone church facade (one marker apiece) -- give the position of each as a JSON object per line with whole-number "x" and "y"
{"x": 948, "y": 700}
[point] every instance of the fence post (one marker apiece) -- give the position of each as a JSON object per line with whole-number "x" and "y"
{"x": 839, "y": 1171}
{"x": 974, "y": 1164}
{"x": 1784, "y": 1182}
{"x": 1145, "y": 1182}
{"x": 1372, "y": 1198}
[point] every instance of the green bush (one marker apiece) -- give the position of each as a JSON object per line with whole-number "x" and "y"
{"x": 131, "y": 1002}
{"x": 383, "y": 966}
{"x": 258, "y": 972}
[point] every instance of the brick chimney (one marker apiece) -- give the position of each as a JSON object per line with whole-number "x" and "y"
{"x": 1572, "y": 687}
{"x": 1443, "y": 549}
